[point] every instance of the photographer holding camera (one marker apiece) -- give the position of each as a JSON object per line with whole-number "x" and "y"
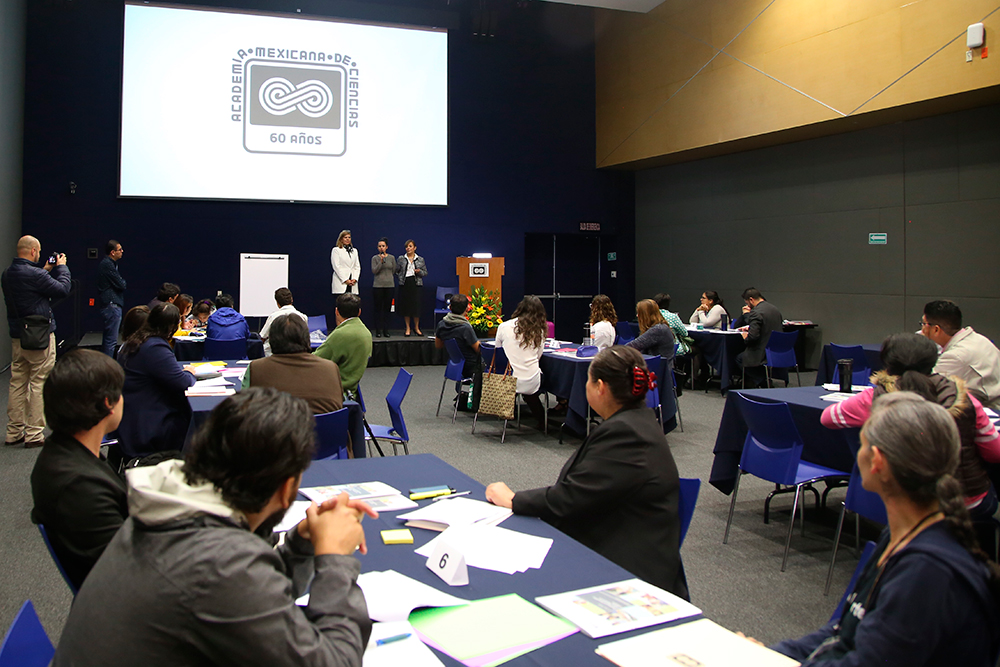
{"x": 28, "y": 291}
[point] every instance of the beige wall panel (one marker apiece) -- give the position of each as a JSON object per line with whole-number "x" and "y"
{"x": 845, "y": 53}
{"x": 751, "y": 104}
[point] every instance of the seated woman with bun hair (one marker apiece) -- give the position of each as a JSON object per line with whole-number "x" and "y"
{"x": 618, "y": 494}
{"x": 928, "y": 597}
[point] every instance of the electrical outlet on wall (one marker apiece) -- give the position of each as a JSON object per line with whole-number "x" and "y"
{"x": 614, "y": 274}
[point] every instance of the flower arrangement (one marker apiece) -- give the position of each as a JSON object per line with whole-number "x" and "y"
{"x": 485, "y": 313}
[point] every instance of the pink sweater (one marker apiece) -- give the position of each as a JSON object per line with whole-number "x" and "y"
{"x": 853, "y": 413}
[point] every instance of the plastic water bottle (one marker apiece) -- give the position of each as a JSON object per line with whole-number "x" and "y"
{"x": 586, "y": 334}
{"x": 725, "y": 321}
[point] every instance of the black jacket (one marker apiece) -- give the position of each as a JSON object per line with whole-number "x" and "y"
{"x": 761, "y": 321}
{"x": 80, "y": 500}
{"x": 29, "y": 290}
{"x": 619, "y": 496}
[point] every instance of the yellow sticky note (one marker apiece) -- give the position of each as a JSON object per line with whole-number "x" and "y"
{"x": 401, "y": 536}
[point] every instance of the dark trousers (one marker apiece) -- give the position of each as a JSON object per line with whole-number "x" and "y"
{"x": 383, "y": 305}
{"x": 756, "y": 376}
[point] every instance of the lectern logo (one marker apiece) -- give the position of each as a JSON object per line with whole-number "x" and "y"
{"x": 294, "y": 108}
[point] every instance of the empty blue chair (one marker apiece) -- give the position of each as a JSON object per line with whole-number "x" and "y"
{"x": 331, "y": 435}
{"x": 55, "y": 559}
{"x": 318, "y": 323}
{"x": 860, "y": 372}
{"x": 688, "y": 499}
{"x": 773, "y": 451}
{"x": 453, "y": 372}
{"x": 864, "y": 504}
{"x": 624, "y": 332}
{"x": 217, "y": 350}
{"x": 441, "y": 298}
{"x": 397, "y": 432}
{"x": 780, "y": 353}
{"x": 26, "y": 644}
{"x": 866, "y": 555}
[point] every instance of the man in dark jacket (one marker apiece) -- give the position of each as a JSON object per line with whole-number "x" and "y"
{"x": 760, "y": 318}
{"x": 78, "y": 497}
{"x": 29, "y": 290}
{"x": 456, "y": 325}
{"x": 189, "y": 581}
{"x": 111, "y": 286}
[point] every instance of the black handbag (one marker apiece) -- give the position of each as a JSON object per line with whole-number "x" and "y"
{"x": 34, "y": 328}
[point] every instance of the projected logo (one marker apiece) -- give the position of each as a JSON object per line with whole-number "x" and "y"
{"x": 294, "y": 108}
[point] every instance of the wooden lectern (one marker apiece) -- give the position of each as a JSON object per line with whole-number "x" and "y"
{"x": 473, "y": 272}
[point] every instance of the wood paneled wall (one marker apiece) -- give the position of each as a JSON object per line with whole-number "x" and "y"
{"x": 694, "y": 78}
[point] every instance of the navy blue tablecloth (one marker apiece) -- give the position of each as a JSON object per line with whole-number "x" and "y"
{"x": 201, "y": 406}
{"x": 720, "y": 350}
{"x": 828, "y": 363}
{"x": 568, "y": 566}
{"x": 566, "y": 377}
{"x": 194, "y": 350}
{"x": 833, "y": 448}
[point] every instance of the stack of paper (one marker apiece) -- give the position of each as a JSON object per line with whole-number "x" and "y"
{"x": 391, "y": 596}
{"x": 455, "y": 512}
{"x": 410, "y": 651}
{"x": 233, "y": 373}
{"x": 701, "y": 643}
{"x": 605, "y": 610}
{"x": 213, "y": 387}
{"x": 489, "y": 632}
{"x": 380, "y": 496}
{"x": 493, "y": 548}
{"x": 836, "y": 397}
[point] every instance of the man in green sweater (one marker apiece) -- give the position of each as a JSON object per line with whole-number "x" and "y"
{"x": 350, "y": 344}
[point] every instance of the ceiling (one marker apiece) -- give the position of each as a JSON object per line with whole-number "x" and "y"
{"x": 641, "y": 6}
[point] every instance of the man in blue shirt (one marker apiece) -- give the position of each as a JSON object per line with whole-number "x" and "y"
{"x": 226, "y": 323}
{"x": 28, "y": 289}
{"x": 111, "y": 286}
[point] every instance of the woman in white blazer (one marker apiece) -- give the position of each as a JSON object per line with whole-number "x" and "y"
{"x": 346, "y": 264}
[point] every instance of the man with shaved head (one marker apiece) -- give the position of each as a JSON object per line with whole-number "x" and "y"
{"x": 29, "y": 286}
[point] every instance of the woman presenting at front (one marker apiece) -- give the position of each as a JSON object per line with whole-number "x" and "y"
{"x": 928, "y": 596}
{"x": 346, "y": 265}
{"x": 709, "y": 313}
{"x": 618, "y": 494}
{"x": 384, "y": 268}
{"x": 523, "y": 340}
{"x": 411, "y": 269}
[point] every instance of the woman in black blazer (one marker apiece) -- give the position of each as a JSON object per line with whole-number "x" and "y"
{"x": 619, "y": 493}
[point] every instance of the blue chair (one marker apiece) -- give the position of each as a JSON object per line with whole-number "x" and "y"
{"x": 397, "y": 432}
{"x": 860, "y": 373}
{"x": 441, "y": 299}
{"x": 624, "y": 332}
{"x": 780, "y": 353}
{"x": 866, "y": 555}
{"x": 685, "y": 508}
{"x": 773, "y": 451}
{"x": 318, "y": 323}
{"x": 331, "y": 435}
{"x": 863, "y": 504}
{"x": 453, "y": 372}
{"x": 55, "y": 559}
{"x": 26, "y": 644}
{"x": 673, "y": 387}
{"x": 217, "y": 350}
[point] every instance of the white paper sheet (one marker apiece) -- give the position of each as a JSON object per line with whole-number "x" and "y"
{"x": 836, "y": 397}
{"x": 295, "y": 513}
{"x": 493, "y": 548}
{"x": 410, "y": 652}
{"x": 391, "y": 596}
{"x": 356, "y": 491}
{"x": 213, "y": 382}
{"x": 830, "y": 386}
{"x": 457, "y": 512}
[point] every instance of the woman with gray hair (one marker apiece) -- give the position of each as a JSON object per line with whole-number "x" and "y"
{"x": 928, "y": 596}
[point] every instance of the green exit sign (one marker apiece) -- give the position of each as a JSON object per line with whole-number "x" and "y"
{"x": 878, "y": 238}
{"x": 612, "y": 256}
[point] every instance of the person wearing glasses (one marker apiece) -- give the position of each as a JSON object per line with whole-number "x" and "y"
{"x": 709, "y": 313}
{"x": 964, "y": 353}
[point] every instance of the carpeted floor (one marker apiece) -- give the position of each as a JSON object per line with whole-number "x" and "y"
{"x": 738, "y": 585}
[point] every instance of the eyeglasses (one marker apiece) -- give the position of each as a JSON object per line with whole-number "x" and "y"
{"x": 926, "y": 324}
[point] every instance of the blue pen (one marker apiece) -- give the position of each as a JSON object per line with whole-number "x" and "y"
{"x": 389, "y": 640}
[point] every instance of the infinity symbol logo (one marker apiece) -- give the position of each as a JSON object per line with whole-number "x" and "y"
{"x": 279, "y": 97}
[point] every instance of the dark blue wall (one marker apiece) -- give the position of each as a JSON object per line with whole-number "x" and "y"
{"x": 521, "y": 159}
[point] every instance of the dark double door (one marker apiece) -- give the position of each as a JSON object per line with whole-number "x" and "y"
{"x": 566, "y": 271}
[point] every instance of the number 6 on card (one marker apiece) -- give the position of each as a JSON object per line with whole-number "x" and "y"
{"x": 449, "y": 564}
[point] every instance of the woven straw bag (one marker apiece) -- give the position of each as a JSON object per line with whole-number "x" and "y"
{"x": 498, "y": 394}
